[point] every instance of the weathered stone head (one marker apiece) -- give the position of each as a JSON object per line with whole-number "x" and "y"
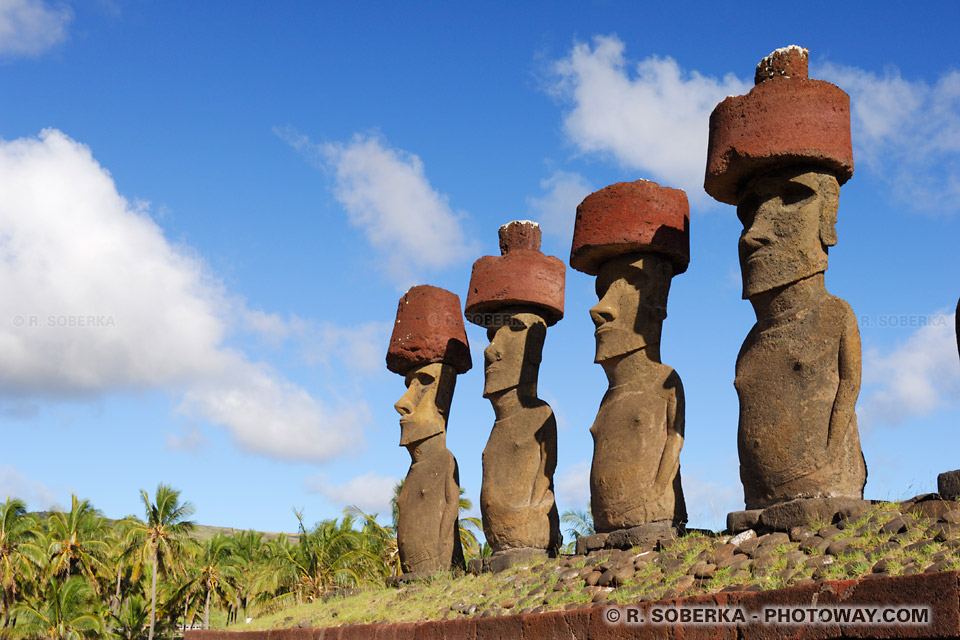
{"x": 429, "y": 348}
{"x": 515, "y": 296}
{"x": 634, "y": 236}
{"x": 780, "y": 153}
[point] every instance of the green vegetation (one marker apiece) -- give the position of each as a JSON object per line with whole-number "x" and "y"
{"x": 75, "y": 574}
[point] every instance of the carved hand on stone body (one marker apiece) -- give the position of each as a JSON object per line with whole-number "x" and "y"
{"x": 798, "y": 372}
{"x": 430, "y": 497}
{"x": 516, "y": 497}
{"x": 638, "y": 433}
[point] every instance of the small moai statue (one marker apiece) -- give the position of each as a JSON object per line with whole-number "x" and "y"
{"x": 780, "y": 154}
{"x": 516, "y": 296}
{"x": 429, "y": 348}
{"x": 634, "y": 236}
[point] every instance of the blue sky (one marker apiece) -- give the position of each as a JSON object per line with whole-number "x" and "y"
{"x": 226, "y": 200}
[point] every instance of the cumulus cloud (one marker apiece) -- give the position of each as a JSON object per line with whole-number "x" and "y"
{"x": 369, "y": 492}
{"x": 913, "y": 379}
{"x": 100, "y": 301}
{"x": 556, "y": 209}
{"x": 651, "y": 117}
{"x": 907, "y": 131}
{"x": 385, "y": 192}
{"x": 30, "y": 27}
{"x": 573, "y": 486}
{"x": 14, "y": 484}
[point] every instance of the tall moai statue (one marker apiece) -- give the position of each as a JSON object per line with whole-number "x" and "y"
{"x": 516, "y": 296}
{"x": 634, "y": 236}
{"x": 780, "y": 154}
{"x": 429, "y": 348}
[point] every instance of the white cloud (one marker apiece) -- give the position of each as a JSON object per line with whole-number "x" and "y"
{"x": 30, "y": 27}
{"x": 191, "y": 441}
{"x": 710, "y": 500}
{"x": 915, "y": 378}
{"x": 556, "y": 209}
{"x": 572, "y": 486}
{"x": 14, "y": 484}
{"x": 100, "y": 301}
{"x": 654, "y": 120}
{"x": 908, "y": 131}
{"x": 370, "y": 492}
{"x": 385, "y": 192}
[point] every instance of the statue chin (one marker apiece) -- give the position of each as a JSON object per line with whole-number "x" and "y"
{"x": 414, "y": 432}
{"x": 612, "y": 344}
{"x": 760, "y": 280}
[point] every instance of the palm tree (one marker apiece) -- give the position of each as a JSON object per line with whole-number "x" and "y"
{"x": 379, "y": 540}
{"x": 132, "y": 620}
{"x": 250, "y": 552}
{"x": 217, "y": 573}
{"x": 21, "y": 555}
{"x": 76, "y": 545}
{"x": 67, "y": 611}
{"x": 468, "y": 539}
{"x": 162, "y": 536}
{"x": 581, "y": 523}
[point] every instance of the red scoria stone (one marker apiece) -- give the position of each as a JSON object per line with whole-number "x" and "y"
{"x": 519, "y": 234}
{"x": 428, "y": 328}
{"x": 784, "y": 120}
{"x": 521, "y": 277}
{"x": 628, "y": 217}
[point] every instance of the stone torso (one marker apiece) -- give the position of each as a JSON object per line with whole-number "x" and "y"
{"x": 516, "y": 497}
{"x": 629, "y": 434}
{"x": 425, "y": 541}
{"x": 787, "y": 379}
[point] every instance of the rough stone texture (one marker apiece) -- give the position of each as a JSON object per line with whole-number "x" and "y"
{"x": 516, "y": 495}
{"x": 786, "y": 119}
{"x": 638, "y": 432}
{"x": 789, "y": 62}
{"x": 645, "y": 535}
{"x": 738, "y": 521}
{"x": 516, "y": 301}
{"x": 503, "y": 560}
{"x": 798, "y": 371}
{"x": 628, "y": 217}
{"x": 429, "y": 328}
{"x": 948, "y": 484}
{"x": 428, "y": 347}
{"x": 802, "y": 511}
{"x": 522, "y": 276}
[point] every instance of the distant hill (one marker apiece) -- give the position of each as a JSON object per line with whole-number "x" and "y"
{"x": 204, "y": 532}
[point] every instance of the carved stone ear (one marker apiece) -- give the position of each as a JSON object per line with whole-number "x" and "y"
{"x": 830, "y": 204}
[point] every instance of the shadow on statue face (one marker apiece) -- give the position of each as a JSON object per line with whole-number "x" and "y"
{"x": 789, "y": 219}
{"x": 513, "y": 356}
{"x": 633, "y": 292}
{"x": 425, "y": 407}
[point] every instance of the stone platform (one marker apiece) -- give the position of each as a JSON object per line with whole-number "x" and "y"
{"x": 646, "y": 535}
{"x": 795, "y": 513}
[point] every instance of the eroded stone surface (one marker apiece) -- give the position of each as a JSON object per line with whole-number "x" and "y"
{"x": 780, "y": 154}
{"x": 638, "y": 432}
{"x": 428, "y": 347}
{"x": 634, "y": 237}
{"x": 516, "y": 496}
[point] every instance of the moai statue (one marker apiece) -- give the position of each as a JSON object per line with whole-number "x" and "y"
{"x": 516, "y": 296}
{"x": 780, "y": 154}
{"x": 634, "y": 236}
{"x": 428, "y": 347}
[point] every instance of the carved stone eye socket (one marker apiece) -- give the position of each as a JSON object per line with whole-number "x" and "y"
{"x": 794, "y": 193}
{"x": 747, "y": 209}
